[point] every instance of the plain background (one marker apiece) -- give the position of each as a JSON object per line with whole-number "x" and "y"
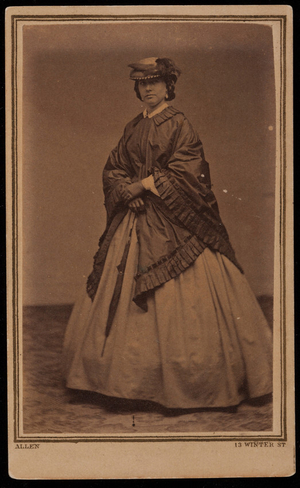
{"x": 77, "y": 98}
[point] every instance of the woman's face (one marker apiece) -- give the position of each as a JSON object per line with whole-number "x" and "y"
{"x": 153, "y": 92}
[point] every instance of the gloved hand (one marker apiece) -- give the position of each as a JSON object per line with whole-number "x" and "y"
{"x": 129, "y": 192}
{"x": 137, "y": 205}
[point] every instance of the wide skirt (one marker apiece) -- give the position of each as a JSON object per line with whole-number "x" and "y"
{"x": 204, "y": 341}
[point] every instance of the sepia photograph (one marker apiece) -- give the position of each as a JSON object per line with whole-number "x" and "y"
{"x": 148, "y": 223}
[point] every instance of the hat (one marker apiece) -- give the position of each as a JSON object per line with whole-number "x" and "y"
{"x": 154, "y": 68}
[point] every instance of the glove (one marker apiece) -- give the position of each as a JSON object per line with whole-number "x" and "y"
{"x": 148, "y": 184}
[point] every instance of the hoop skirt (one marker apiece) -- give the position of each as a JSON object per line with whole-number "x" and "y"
{"x": 187, "y": 331}
{"x": 204, "y": 341}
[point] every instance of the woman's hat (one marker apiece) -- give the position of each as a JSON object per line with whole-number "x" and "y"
{"x": 154, "y": 68}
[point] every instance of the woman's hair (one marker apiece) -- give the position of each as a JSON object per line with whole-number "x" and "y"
{"x": 170, "y": 84}
{"x": 169, "y": 73}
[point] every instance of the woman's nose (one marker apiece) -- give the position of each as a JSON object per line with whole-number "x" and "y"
{"x": 148, "y": 87}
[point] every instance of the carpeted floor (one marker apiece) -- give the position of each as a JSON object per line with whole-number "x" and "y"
{"x": 51, "y": 408}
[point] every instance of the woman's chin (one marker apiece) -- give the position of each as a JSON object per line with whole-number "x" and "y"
{"x": 152, "y": 104}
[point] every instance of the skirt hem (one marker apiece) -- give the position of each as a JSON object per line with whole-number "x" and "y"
{"x": 233, "y": 403}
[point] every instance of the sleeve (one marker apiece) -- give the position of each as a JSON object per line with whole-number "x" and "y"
{"x": 184, "y": 186}
{"x": 117, "y": 173}
{"x": 186, "y": 169}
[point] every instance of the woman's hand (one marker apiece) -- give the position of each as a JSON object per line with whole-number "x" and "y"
{"x": 129, "y": 192}
{"x": 137, "y": 205}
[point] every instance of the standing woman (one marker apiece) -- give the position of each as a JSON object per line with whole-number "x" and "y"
{"x": 168, "y": 315}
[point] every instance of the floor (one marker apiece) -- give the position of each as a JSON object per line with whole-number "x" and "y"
{"x": 50, "y": 408}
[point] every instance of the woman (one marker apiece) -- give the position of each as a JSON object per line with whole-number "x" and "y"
{"x": 170, "y": 316}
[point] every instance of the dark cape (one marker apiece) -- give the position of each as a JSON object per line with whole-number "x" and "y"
{"x": 175, "y": 227}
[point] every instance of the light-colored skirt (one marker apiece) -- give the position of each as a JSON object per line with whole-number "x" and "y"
{"x": 204, "y": 341}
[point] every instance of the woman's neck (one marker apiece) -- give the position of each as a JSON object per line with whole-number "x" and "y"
{"x": 152, "y": 109}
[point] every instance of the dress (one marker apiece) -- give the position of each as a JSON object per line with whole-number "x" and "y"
{"x": 187, "y": 331}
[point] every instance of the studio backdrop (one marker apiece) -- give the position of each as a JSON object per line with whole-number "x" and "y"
{"x": 77, "y": 98}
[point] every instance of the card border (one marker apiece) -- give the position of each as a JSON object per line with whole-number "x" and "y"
{"x": 15, "y": 19}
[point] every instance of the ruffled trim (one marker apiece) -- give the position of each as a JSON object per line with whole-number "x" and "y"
{"x": 211, "y": 232}
{"x": 166, "y": 114}
{"x": 167, "y": 268}
{"x": 113, "y": 200}
{"x": 100, "y": 256}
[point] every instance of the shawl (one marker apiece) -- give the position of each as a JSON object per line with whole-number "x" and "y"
{"x": 179, "y": 224}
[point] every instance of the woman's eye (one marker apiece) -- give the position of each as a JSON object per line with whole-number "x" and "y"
{"x": 150, "y": 82}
